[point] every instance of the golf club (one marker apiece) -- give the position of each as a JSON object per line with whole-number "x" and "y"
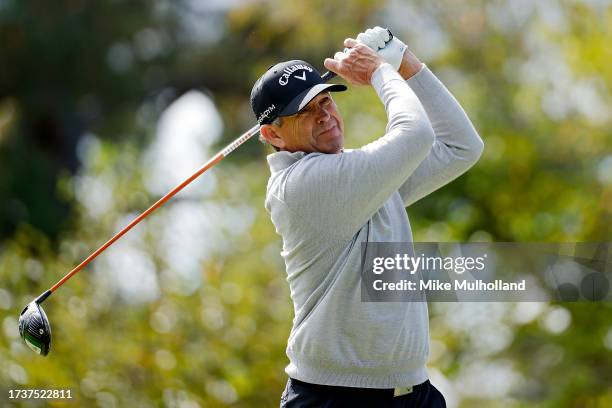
{"x": 34, "y": 326}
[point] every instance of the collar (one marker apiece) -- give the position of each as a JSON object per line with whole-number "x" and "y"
{"x": 281, "y": 160}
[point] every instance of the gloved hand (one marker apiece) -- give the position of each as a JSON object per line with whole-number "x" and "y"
{"x": 377, "y": 38}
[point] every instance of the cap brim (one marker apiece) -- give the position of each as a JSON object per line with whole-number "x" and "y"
{"x": 299, "y": 102}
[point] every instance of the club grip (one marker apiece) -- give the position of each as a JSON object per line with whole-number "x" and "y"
{"x": 326, "y": 77}
{"x": 329, "y": 75}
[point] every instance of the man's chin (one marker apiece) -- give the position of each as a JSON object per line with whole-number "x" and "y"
{"x": 334, "y": 147}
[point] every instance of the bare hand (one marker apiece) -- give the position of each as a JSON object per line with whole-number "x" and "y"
{"x": 356, "y": 65}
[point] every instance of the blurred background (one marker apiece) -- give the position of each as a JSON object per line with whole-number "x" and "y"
{"x": 105, "y": 106}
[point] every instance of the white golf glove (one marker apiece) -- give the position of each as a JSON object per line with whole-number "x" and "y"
{"x": 377, "y": 38}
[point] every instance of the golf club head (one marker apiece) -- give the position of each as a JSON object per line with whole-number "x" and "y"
{"x": 35, "y": 329}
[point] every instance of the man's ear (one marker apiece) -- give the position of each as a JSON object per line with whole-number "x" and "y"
{"x": 271, "y": 134}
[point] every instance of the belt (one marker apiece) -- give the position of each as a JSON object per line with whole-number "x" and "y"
{"x": 399, "y": 391}
{"x": 396, "y": 392}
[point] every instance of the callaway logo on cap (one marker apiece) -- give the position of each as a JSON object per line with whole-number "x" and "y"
{"x": 286, "y": 88}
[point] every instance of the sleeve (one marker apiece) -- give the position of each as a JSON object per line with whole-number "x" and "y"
{"x": 340, "y": 192}
{"x": 457, "y": 145}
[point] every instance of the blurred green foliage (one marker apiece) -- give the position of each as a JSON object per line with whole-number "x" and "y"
{"x": 83, "y": 85}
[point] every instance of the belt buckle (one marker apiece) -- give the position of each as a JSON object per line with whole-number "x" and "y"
{"x": 399, "y": 391}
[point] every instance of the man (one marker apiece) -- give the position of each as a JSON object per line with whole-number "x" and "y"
{"x": 325, "y": 201}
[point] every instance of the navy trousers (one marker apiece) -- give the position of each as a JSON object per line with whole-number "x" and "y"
{"x": 299, "y": 394}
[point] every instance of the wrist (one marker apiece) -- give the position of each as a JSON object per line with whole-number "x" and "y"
{"x": 410, "y": 65}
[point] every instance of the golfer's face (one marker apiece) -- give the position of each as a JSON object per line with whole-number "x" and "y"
{"x": 316, "y": 128}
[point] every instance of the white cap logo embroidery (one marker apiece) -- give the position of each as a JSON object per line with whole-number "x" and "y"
{"x": 266, "y": 113}
{"x": 284, "y": 79}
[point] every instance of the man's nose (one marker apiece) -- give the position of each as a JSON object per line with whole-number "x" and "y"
{"x": 323, "y": 114}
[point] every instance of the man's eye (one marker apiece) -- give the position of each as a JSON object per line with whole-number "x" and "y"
{"x": 306, "y": 111}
